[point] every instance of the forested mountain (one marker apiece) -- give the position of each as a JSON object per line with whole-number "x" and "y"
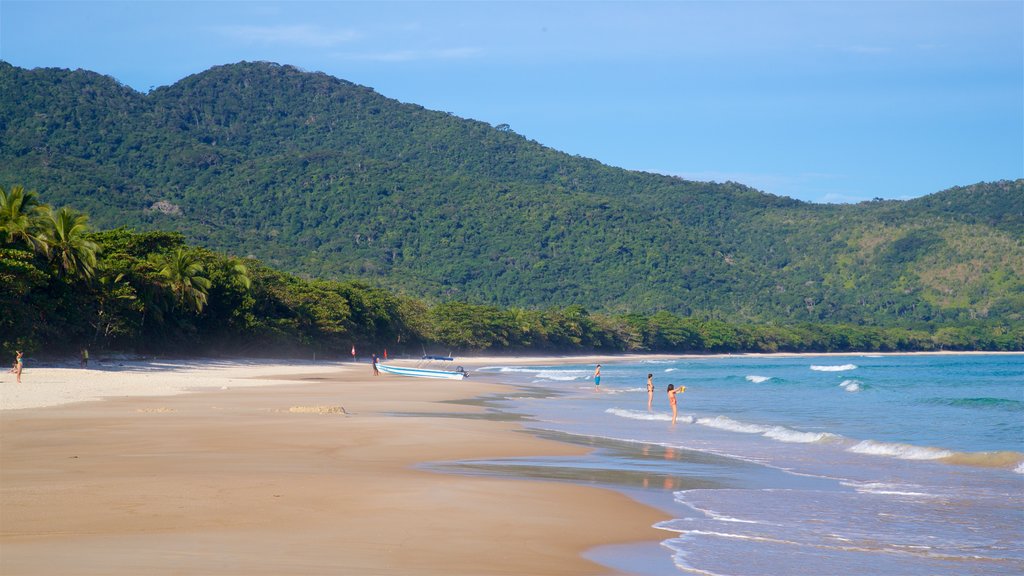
{"x": 328, "y": 179}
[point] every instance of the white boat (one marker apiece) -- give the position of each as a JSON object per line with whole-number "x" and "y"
{"x": 423, "y": 372}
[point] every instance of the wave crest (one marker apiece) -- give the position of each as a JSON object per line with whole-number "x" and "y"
{"x": 640, "y": 415}
{"x": 780, "y": 433}
{"x": 840, "y": 368}
{"x": 850, "y": 385}
{"x": 898, "y": 450}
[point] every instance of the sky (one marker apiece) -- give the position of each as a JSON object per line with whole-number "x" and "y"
{"x": 824, "y": 101}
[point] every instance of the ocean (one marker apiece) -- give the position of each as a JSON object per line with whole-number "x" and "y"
{"x": 813, "y": 465}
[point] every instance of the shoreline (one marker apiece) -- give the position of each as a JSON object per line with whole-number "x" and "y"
{"x": 217, "y": 465}
{"x": 45, "y": 382}
{"x": 288, "y": 468}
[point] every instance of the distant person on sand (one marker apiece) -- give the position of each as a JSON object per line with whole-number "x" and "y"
{"x": 375, "y": 371}
{"x": 597, "y": 377}
{"x": 672, "y": 391}
{"x": 650, "y": 391}
{"x": 85, "y": 357}
{"x": 18, "y": 365}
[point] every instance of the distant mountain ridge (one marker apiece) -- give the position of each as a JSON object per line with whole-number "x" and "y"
{"x": 326, "y": 178}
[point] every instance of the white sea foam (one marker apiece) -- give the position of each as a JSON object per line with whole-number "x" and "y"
{"x": 681, "y": 498}
{"x": 562, "y": 375}
{"x": 850, "y": 385}
{"x": 671, "y": 369}
{"x": 840, "y": 368}
{"x": 548, "y": 374}
{"x": 887, "y": 489}
{"x": 726, "y": 423}
{"x": 623, "y": 390}
{"x": 780, "y": 433}
{"x": 783, "y": 434}
{"x": 758, "y": 379}
{"x": 1020, "y": 468}
{"x": 639, "y": 415}
{"x": 897, "y": 450}
{"x": 729, "y": 535}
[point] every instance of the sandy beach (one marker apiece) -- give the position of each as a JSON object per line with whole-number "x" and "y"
{"x": 244, "y": 467}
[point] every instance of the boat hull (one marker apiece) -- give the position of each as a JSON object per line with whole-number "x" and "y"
{"x": 421, "y": 372}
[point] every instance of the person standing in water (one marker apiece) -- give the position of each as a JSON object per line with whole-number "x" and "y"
{"x": 650, "y": 391}
{"x": 672, "y": 391}
{"x": 597, "y": 377}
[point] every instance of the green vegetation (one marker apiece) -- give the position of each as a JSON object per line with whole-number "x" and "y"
{"x": 428, "y": 229}
{"x": 63, "y": 287}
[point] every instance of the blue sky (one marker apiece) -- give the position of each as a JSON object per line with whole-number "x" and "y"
{"x": 821, "y": 101}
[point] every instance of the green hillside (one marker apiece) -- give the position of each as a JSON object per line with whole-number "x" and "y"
{"x": 321, "y": 177}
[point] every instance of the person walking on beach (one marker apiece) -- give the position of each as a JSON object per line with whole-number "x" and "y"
{"x": 85, "y": 357}
{"x": 18, "y": 365}
{"x": 650, "y": 391}
{"x": 597, "y": 377}
{"x": 376, "y": 372}
{"x": 672, "y": 391}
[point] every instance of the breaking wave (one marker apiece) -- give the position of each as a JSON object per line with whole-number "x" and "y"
{"x": 1005, "y": 459}
{"x": 898, "y": 450}
{"x": 643, "y": 415}
{"x": 549, "y": 374}
{"x": 780, "y": 433}
{"x": 850, "y": 385}
{"x": 840, "y": 368}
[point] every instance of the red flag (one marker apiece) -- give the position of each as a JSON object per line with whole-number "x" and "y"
{"x": 353, "y": 350}
{"x": 385, "y": 353}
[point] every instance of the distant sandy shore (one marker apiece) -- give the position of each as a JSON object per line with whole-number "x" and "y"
{"x": 56, "y": 384}
{"x": 279, "y": 468}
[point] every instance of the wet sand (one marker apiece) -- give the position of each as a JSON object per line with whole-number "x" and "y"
{"x": 313, "y": 471}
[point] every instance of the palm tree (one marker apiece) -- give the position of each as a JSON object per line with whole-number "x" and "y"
{"x": 21, "y": 216}
{"x": 66, "y": 245}
{"x": 182, "y": 273}
{"x": 238, "y": 274}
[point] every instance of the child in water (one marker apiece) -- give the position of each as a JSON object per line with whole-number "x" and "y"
{"x": 672, "y": 391}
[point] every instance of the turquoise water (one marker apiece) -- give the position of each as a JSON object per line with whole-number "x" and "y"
{"x": 805, "y": 465}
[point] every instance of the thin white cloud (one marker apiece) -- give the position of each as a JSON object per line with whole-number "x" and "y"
{"x": 864, "y": 49}
{"x": 300, "y": 35}
{"x": 411, "y": 55}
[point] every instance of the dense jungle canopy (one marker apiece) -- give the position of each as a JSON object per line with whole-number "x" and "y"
{"x": 327, "y": 185}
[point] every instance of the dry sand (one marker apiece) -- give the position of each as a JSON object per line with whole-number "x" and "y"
{"x": 279, "y": 469}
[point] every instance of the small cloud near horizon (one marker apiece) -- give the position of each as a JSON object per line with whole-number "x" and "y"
{"x": 302, "y": 35}
{"x": 411, "y": 55}
{"x": 864, "y": 49}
